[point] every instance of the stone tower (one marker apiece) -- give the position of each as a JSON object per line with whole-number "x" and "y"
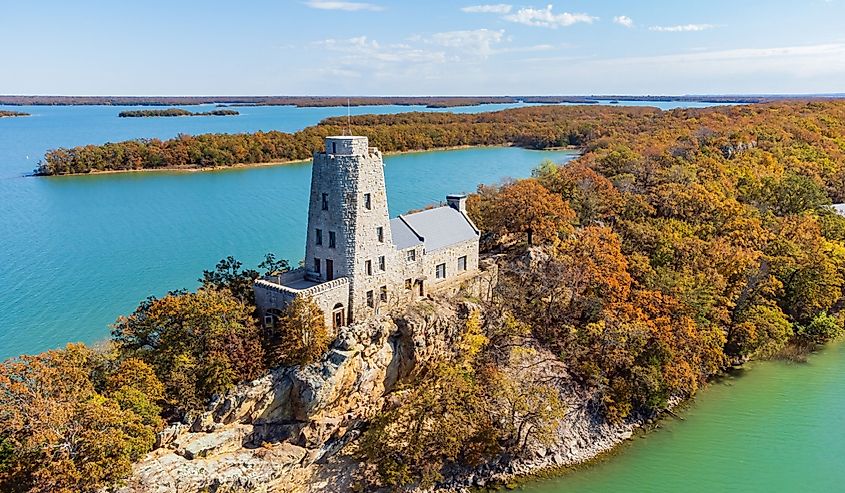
{"x": 348, "y": 223}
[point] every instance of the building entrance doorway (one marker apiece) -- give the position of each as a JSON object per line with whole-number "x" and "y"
{"x": 338, "y": 316}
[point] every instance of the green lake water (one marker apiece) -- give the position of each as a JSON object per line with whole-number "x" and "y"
{"x": 774, "y": 427}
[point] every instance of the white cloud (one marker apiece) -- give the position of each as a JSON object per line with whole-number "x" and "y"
{"x": 683, "y": 28}
{"x": 479, "y": 42}
{"x": 499, "y": 8}
{"x": 547, "y": 18}
{"x": 347, "y": 6}
{"x": 623, "y": 20}
{"x": 360, "y": 49}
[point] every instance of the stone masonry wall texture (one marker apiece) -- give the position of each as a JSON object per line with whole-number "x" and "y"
{"x": 348, "y": 199}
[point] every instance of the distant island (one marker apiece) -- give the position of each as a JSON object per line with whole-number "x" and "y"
{"x": 427, "y": 101}
{"x": 174, "y": 112}
{"x": 10, "y": 114}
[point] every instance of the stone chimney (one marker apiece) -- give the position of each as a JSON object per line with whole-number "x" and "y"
{"x": 457, "y": 202}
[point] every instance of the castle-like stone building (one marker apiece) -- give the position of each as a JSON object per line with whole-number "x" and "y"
{"x": 358, "y": 261}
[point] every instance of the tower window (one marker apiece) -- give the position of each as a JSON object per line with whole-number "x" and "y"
{"x": 462, "y": 263}
{"x": 317, "y": 265}
{"x": 368, "y": 267}
{"x": 319, "y": 237}
{"x": 408, "y": 284}
{"x": 334, "y": 147}
{"x": 440, "y": 271}
{"x": 380, "y": 234}
{"x": 332, "y": 240}
{"x": 325, "y": 201}
{"x": 370, "y": 299}
{"x": 383, "y": 294}
{"x": 381, "y": 264}
{"x": 411, "y": 255}
{"x": 368, "y": 201}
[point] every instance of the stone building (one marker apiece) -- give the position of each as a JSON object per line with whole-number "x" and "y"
{"x": 358, "y": 261}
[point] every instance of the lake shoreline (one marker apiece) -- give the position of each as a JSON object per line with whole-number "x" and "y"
{"x": 244, "y": 166}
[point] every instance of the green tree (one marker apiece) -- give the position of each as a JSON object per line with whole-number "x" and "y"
{"x": 227, "y": 275}
{"x": 273, "y": 266}
{"x": 822, "y": 328}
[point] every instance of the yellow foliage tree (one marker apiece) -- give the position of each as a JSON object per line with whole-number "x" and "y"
{"x": 300, "y": 336}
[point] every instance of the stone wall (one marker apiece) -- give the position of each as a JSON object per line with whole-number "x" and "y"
{"x": 269, "y": 295}
{"x": 347, "y": 180}
{"x": 449, "y": 256}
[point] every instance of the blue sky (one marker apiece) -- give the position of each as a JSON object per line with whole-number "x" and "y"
{"x": 433, "y": 47}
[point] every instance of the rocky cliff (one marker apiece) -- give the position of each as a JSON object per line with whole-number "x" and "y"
{"x": 294, "y": 429}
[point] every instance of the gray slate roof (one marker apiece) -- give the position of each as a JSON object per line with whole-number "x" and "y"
{"x": 436, "y": 228}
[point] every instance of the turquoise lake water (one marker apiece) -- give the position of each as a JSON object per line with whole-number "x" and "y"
{"x": 76, "y": 252}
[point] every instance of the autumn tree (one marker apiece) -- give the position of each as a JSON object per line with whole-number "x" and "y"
{"x": 523, "y": 208}
{"x": 300, "y": 335}
{"x": 60, "y": 433}
{"x": 593, "y": 197}
{"x": 464, "y": 409}
{"x": 199, "y": 344}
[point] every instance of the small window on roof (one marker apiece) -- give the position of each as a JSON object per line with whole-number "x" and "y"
{"x": 412, "y": 255}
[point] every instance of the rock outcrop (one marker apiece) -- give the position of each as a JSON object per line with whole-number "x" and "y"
{"x": 291, "y": 429}
{"x": 269, "y": 433}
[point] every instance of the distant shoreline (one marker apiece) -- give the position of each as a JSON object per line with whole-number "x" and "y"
{"x": 242, "y": 166}
{"x": 427, "y": 101}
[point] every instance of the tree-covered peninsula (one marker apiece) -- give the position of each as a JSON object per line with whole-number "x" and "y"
{"x": 532, "y": 127}
{"x": 174, "y": 112}
{"x": 678, "y": 245}
{"x": 9, "y": 114}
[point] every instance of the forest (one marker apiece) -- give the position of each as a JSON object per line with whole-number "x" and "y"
{"x": 678, "y": 245}
{"x": 174, "y": 112}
